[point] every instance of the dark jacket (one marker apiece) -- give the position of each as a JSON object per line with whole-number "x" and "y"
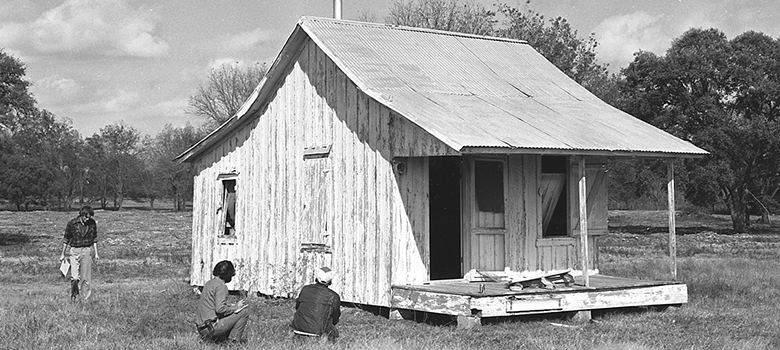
{"x": 78, "y": 234}
{"x": 317, "y": 309}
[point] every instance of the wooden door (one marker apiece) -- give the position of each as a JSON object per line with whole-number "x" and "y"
{"x": 485, "y": 213}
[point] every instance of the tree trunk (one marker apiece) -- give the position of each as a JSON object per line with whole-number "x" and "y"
{"x": 737, "y": 209}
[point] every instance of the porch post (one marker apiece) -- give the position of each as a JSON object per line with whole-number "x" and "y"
{"x": 583, "y": 222}
{"x": 672, "y": 224}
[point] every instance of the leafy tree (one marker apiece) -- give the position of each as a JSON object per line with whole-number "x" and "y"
{"x": 113, "y": 163}
{"x": 225, "y": 92}
{"x": 722, "y": 95}
{"x": 39, "y": 145}
{"x": 69, "y": 166}
{"x": 450, "y": 15}
{"x": 26, "y": 180}
{"x": 16, "y": 101}
{"x": 162, "y": 175}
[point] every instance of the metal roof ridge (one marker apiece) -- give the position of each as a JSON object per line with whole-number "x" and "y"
{"x": 407, "y": 28}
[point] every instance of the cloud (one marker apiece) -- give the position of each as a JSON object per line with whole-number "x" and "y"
{"x": 129, "y": 108}
{"x": 90, "y": 28}
{"x": 174, "y": 107}
{"x": 15, "y": 9}
{"x": 121, "y": 101}
{"x": 54, "y": 90}
{"x": 248, "y": 40}
{"x": 621, "y": 36}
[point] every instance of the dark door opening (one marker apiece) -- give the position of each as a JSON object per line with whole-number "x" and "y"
{"x": 444, "y": 187}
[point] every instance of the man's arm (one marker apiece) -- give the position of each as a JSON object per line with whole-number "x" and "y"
{"x": 221, "y": 306}
{"x": 95, "y": 244}
{"x": 64, "y": 248}
{"x": 336, "y": 305}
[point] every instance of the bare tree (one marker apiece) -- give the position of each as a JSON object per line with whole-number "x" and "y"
{"x": 227, "y": 88}
{"x": 450, "y": 15}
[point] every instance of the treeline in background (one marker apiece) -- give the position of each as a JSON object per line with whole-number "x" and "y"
{"x": 721, "y": 94}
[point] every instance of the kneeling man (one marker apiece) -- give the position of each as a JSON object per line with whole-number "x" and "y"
{"x": 317, "y": 308}
{"x": 215, "y": 319}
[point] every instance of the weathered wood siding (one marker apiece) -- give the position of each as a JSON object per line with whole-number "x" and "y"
{"x": 374, "y": 219}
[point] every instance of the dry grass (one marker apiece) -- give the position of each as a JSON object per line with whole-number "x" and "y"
{"x": 143, "y": 299}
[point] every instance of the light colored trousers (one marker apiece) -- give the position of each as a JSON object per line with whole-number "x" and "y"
{"x": 230, "y": 328}
{"x": 81, "y": 269}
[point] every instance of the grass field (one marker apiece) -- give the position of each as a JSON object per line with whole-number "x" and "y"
{"x": 143, "y": 299}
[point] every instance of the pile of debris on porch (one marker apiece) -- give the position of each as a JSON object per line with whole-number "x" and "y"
{"x": 517, "y": 281}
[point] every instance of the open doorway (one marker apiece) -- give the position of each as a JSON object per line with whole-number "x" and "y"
{"x": 445, "y": 241}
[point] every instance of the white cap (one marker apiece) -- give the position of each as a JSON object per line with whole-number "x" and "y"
{"x": 324, "y": 275}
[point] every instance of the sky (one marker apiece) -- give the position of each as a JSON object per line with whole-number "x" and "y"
{"x": 99, "y": 62}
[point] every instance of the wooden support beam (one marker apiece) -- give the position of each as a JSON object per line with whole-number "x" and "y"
{"x": 672, "y": 224}
{"x": 583, "y": 221}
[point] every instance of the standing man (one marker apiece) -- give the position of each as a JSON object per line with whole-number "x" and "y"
{"x": 81, "y": 237}
{"x": 317, "y": 308}
{"x": 216, "y": 320}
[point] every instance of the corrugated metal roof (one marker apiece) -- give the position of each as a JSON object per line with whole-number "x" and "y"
{"x": 471, "y": 92}
{"x": 477, "y": 92}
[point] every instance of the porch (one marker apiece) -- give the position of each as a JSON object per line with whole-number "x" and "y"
{"x": 471, "y": 302}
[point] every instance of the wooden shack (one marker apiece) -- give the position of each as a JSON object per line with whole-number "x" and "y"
{"x": 404, "y": 156}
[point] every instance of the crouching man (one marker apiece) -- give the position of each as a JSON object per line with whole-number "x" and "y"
{"x": 216, "y": 320}
{"x": 317, "y": 308}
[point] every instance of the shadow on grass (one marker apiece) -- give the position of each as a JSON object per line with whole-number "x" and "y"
{"x": 8, "y": 239}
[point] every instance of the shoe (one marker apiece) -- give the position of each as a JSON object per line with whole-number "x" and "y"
{"x": 74, "y": 289}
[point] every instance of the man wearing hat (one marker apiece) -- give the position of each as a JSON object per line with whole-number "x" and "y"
{"x": 317, "y": 308}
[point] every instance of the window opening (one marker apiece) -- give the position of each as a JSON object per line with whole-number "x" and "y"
{"x": 489, "y": 188}
{"x": 229, "y": 207}
{"x": 554, "y": 196}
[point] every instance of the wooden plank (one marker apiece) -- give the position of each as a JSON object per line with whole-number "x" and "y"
{"x": 672, "y": 224}
{"x": 363, "y": 181}
{"x": 515, "y": 220}
{"x": 447, "y": 304}
{"x": 265, "y": 206}
{"x": 400, "y": 232}
{"x": 527, "y": 304}
{"x": 372, "y": 195}
{"x": 331, "y": 123}
{"x": 467, "y": 227}
{"x": 533, "y": 227}
{"x": 583, "y": 221}
{"x": 339, "y": 153}
{"x": 585, "y": 300}
{"x": 275, "y": 256}
{"x": 352, "y": 274}
{"x": 293, "y": 159}
{"x": 385, "y": 181}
